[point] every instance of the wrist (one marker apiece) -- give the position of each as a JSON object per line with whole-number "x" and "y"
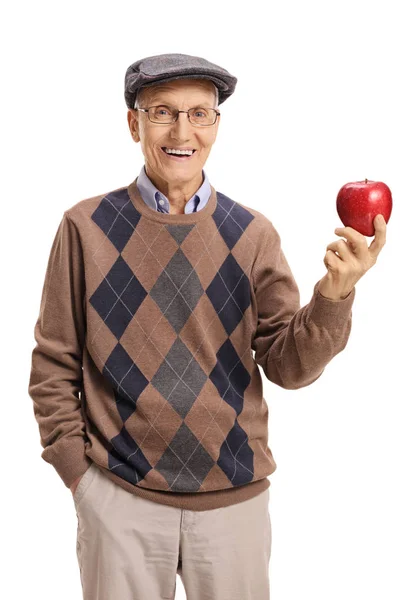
{"x": 325, "y": 289}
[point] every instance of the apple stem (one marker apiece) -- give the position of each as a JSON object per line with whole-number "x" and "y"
{"x": 366, "y": 180}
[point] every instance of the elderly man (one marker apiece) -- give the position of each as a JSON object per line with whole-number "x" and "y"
{"x": 161, "y": 301}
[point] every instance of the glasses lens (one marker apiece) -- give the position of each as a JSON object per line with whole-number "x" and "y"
{"x": 197, "y": 116}
{"x": 202, "y": 116}
{"x": 161, "y": 114}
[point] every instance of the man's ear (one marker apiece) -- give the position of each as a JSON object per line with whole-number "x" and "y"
{"x": 133, "y": 125}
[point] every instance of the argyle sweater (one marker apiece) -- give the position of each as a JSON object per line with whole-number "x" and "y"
{"x": 151, "y": 334}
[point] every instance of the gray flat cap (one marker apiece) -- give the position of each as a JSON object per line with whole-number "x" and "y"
{"x": 167, "y": 67}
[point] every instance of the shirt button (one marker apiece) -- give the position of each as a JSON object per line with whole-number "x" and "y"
{"x": 161, "y": 201}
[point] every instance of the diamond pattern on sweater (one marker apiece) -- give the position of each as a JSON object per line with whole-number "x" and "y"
{"x": 231, "y": 219}
{"x": 179, "y": 378}
{"x": 236, "y": 457}
{"x": 231, "y": 379}
{"x": 229, "y": 293}
{"x": 229, "y": 375}
{"x": 117, "y": 217}
{"x": 118, "y": 297}
{"x": 177, "y": 290}
{"x": 135, "y": 465}
{"x": 127, "y": 380}
{"x": 179, "y": 232}
{"x": 185, "y": 463}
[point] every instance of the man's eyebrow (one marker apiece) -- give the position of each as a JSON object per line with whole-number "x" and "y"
{"x": 158, "y": 102}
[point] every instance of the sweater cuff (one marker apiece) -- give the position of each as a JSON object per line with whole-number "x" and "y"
{"x": 332, "y": 314}
{"x": 68, "y": 457}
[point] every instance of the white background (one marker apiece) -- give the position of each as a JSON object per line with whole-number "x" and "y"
{"x": 316, "y": 106}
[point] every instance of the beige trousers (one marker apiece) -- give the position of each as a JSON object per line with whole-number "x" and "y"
{"x": 131, "y": 548}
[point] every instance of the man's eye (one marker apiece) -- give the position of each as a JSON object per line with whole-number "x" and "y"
{"x": 162, "y": 110}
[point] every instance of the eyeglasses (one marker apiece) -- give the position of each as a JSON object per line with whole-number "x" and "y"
{"x": 165, "y": 115}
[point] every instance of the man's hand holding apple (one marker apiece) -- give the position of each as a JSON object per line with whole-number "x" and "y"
{"x": 347, "y": 261}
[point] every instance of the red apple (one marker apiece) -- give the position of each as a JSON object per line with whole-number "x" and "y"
{"x": 359, "y": 202}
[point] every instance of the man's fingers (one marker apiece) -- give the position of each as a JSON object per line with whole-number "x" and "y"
{"x": 380, "y": 236}
{"x": 341, "y": 247}
{"x": 352, "y": 235}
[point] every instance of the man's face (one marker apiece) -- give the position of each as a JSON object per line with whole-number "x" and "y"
{"x": 180, "y": 94}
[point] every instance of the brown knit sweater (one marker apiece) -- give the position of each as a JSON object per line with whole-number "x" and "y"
{"x": 151, "y": 331}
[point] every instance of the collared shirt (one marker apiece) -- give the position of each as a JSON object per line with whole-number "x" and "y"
{"x": 157, "y": 201}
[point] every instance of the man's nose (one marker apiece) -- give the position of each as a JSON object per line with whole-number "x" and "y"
{"x": 182, "y": 122}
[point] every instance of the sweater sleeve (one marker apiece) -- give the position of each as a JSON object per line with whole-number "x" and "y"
{"x": 294, "y": 344}
{"x": 56, "y": 367}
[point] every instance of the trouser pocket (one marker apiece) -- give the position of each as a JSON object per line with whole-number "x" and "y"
{"x": 84, "y": 483}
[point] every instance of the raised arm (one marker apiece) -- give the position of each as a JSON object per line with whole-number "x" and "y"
{"x": 294, "y": 344}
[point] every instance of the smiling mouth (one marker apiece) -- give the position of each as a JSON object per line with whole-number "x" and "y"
{"x": 180, "y": 157}
{"x": 164, "y": 148}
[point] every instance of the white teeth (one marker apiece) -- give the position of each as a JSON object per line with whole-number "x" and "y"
{"x": 186, "y": 152}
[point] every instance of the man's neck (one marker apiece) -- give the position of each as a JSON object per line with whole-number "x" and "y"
{"x": 178, "y": 193}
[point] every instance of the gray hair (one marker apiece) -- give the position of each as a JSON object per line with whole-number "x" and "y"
{"x": 141, "y": 92}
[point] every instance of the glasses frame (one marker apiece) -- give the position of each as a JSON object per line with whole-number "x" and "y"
{"x": 146, "y": 110}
